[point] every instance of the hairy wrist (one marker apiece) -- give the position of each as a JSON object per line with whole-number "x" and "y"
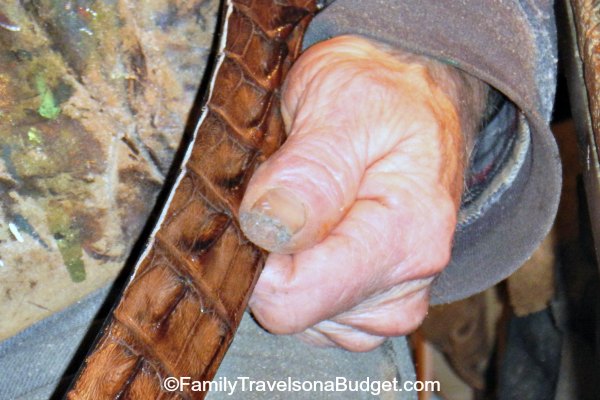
{"x": 468, "y": 96}
{"x": 467, "y": 93}
{"x": 435, "y": 108}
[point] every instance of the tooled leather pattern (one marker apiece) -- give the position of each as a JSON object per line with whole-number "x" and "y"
{"x": 191, "y": 286}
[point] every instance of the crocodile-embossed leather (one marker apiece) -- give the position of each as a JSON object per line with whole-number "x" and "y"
{"x": 191, "y": 285}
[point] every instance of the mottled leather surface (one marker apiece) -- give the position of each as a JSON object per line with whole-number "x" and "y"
{"x": 191, "y": 285}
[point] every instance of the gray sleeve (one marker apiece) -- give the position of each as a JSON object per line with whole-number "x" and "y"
{"x": 511, "y": 45}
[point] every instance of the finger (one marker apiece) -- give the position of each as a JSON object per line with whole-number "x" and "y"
{"x": 365, "y": 254}
{"x": 349, "y": 338}
{"x": 315, "y": 338}
{"x": 394, "y": 313}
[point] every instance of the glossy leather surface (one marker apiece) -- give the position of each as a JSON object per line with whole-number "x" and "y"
{"x": 191, "y": 285}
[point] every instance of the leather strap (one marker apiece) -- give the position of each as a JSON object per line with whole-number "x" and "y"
{"x": 191, "y": 285}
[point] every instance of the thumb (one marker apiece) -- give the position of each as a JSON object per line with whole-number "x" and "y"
{"x": 301, "y": 193}
{"x": 296, "y": 197}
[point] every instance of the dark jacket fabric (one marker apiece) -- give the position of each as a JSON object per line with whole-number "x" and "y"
{"x": 511, "y": 45}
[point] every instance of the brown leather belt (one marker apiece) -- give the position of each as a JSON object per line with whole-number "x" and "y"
{"x": 191, "y": 285}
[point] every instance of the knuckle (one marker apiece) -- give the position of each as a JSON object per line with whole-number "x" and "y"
{"x": 278, "y": 321}
{"x": 365, "y": 345}
{"x": 275, "y": 312}
{"x": 414, "y": 318}
{"x": 442, "y": 223}
{"x": 438, "y": 258}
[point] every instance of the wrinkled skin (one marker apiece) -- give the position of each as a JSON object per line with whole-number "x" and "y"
{"x": 359, "y": 206}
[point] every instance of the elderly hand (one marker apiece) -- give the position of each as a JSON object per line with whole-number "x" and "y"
{"x": 359, "y": 206}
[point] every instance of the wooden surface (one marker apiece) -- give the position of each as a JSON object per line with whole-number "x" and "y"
{"x": 580, "y": 34}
